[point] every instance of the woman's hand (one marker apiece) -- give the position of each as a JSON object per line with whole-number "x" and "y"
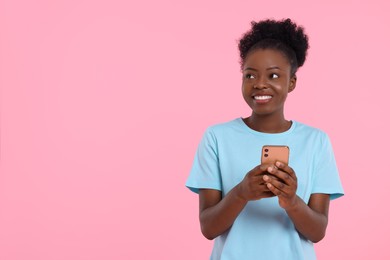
{"x": 282, "y": 182}
{"x": 254, "y": 186}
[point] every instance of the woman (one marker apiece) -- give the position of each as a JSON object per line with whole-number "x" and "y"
{"x": 265, "y": 211}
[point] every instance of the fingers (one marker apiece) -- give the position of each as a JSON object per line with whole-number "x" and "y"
{"x": 283, "y": 172}
{"x": 286, "y": 169}
{"x": 285, "y": 182}
{"x": 276, "y": 187}
{"x": 253, "y": 186}
{"x": 259, "y": 169}
{"x": 274, "y": 190}
{"x": 257, "y": 191}
{"x": 255, "y": 176}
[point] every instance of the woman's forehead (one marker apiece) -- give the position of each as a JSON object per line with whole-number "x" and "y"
{"x": 266, "y": 58}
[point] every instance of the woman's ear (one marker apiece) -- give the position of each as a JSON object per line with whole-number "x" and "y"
{"x": 293, "y": 82}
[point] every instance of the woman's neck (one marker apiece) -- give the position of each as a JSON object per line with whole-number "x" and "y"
{"x": 268, "y": 124}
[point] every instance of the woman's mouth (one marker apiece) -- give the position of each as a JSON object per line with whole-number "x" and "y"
{"x": 262, "y": 98}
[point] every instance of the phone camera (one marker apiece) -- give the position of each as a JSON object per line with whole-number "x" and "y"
{"x": 266, "y": 150}
{"x": 266, "y": 155}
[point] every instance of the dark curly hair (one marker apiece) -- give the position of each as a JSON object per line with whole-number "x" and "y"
{"x": 283, "y": 35}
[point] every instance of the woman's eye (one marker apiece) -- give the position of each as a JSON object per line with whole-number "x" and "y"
{"x": 249, "y": 76}
{"x": 274, "y": 76}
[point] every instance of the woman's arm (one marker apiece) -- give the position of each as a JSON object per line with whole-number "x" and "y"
{"x": 309, "y": 219}
{"x": 217, "y": 214}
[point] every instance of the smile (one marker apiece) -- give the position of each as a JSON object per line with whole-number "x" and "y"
{"x": 262, "y": 97}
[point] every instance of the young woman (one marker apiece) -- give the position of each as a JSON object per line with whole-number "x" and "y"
{"x": 265, "y": 211}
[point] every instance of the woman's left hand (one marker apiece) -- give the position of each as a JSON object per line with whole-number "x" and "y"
{"x": 284, "y": 186}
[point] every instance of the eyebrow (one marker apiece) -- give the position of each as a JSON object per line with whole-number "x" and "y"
{"x": 274, "y": 67}
{"x": 249, "y": 68}
{"x": 270, "y": 68}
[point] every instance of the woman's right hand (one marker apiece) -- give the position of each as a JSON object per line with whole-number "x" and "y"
{"x": 253, "y": 187}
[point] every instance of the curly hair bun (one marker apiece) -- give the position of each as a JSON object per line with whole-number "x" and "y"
{"x": 284, "y": 31}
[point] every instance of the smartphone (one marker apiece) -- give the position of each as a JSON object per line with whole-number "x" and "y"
{"x": 272, "y": 153}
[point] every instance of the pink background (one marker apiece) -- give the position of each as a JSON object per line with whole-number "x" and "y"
{"x": 103, "y": 104}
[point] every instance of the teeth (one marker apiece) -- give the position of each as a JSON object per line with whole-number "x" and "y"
{"x": 262, "y": 97}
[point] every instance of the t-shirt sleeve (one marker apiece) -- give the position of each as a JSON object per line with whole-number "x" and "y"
{"x": 326, "y": 178}
{"x": 205, "y": 171}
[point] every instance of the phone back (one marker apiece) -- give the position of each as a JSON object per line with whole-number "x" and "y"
{"x": 272, "y": 153}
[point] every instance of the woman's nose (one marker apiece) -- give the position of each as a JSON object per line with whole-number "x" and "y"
{"x": 261, "y": 83}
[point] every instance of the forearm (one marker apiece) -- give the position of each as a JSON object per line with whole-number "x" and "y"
{"x": 310, "y": 223}
{"x": 217, "y": 219}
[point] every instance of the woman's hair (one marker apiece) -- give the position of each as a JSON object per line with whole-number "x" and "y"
{"x": 284, "y": 36}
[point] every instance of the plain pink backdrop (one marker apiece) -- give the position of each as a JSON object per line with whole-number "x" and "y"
{"x": 103, "y": 104}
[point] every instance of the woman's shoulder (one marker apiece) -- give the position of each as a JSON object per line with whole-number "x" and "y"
{"x": 310, "y": 132}
{"x": 299, "y": 126}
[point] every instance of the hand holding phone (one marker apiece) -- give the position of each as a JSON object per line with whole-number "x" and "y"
{"x": 280, "y": 180}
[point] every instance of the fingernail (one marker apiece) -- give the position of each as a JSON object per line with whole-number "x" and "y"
{"x": 265, "y": 177}
{"x": 270, "y": 169}
{"x": 279, "y": 164}
{"x": 269, "y": 185}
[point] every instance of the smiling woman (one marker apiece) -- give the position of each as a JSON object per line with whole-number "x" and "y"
{"x": 248, "y": 207}
{"x": 262, "y": 69}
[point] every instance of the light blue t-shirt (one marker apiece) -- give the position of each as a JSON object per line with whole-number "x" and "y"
{"x": 263, "y": 229}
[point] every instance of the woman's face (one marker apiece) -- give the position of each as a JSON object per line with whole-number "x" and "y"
{"x": 266, "y": 81}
